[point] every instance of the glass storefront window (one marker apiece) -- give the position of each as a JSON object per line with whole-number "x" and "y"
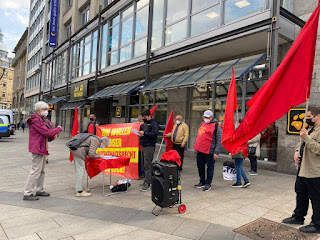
{"x": 125, "y": 53}
{"x": 146, "y": 98}
{"x": 161, "y": 117}
{"x": 176, "y": 10}
{"x": 142, "y": 23}
{"x": 161, "y": 96}
{"x": 205, "y": 20}
{"x": 104, "y": 46}
{"x": 198, "y": 5}
{"x": 235, "y": 9}
{"x": 140, "y": 47}
{"x": 176, "y": 32}
{"x": 202, "y": 92}
{"x": 157, "y": 24}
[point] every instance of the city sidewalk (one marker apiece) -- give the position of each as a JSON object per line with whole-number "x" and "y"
{"x": 210, "y": 215}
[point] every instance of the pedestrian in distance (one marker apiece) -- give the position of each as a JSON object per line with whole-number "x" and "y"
{"x": 87, "y": 148}
{"x": 39, "y": 136}
{"x": 179, "y": 137}
{"x": 307, "y": 185}
{"x": 148, "y": 138}
{"x": 208, "y": 147}
{"x": 253, "y": 154}
{"x": 23, "y": 125}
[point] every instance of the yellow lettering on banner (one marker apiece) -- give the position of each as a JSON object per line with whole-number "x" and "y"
{"x": 121, "y": 131}
{"x": 105, "y": 132}
{"x": 116, "y": 170}
{"x": 130, "y": 152}
{"x": 115, "y": 142}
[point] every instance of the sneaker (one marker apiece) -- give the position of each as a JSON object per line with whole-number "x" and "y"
{"x": 311, "y": 228}
{"x": 246, "y": 184}
{"x": 145, "y": 187}
{"x": 199, "y": 185}
{"x": 83, "y": 194}
{"x": 206, "y": 188}
{"x": 42, "y": 194}
{"x": 30, "y": 198}
{"x": 252, "y": 173}
{"x": 293, "y": 220}
{"x": 236, "y": 185}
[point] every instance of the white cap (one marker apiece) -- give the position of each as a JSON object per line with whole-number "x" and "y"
{"x": 208, "y": 114}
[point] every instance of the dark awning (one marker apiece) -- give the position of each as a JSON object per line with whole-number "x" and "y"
{"x": 72, "y": 105}
{"x": 117, "y": 90}
{"x": 56, "y": 100}
{"x": 206, "y": 74}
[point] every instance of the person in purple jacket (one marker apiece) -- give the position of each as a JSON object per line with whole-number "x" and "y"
{"x": 39, "y": 136}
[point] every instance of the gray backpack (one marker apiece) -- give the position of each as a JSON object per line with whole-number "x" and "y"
{"x": 75, "y": 142}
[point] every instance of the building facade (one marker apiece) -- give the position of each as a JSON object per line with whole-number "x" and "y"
{"x": 19, "y": 65}
{"x": 131, "y": 55}
{"x": 6, "y": 76}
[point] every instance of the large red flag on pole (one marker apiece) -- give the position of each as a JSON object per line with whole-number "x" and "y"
{"x": 169, "y": 127}
{"x": 287, "y": 87}
{"x": 75, "y": 128}
{"x": 228, "y": 122}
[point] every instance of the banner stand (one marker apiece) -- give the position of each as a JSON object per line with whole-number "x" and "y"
{"x": 157, "y": 159}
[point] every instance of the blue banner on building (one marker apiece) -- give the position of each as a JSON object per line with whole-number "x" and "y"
{"x": 54, "y": 19}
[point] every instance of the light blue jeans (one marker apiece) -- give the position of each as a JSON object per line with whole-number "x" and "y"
{"x": 240, "y": 171}
{"x": 80, "y": 170}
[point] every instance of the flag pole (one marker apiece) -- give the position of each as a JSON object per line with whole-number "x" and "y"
{"x": 159, "y": 150}
{"x": 237, "y": 116}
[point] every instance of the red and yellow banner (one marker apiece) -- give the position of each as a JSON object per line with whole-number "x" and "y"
{"x": 123, "y": 143}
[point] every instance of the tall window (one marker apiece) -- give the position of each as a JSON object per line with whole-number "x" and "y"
{"x": 141, "y": 28}
{"x": 104, "y": 46}
{"x": 94, "y": 51}
{"x": 157, "y": 24}
{"x": 69, "y": 3}
{"x": 113, "y": 41}
{"x": 68, "y": 31}
{"x": 86, "y": 56}
{"x": 85, "y": 15}
{"x": 176, "y": 21}
{"x": 126, "y": 34}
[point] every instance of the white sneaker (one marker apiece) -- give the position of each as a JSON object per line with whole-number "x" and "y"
{"x": 83, "y": 194}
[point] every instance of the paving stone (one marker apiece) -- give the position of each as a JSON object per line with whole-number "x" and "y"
{"x": 218, "y": 232}
{"x": 192, "y": 229}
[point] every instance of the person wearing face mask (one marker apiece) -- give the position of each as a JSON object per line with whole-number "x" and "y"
{"x": 179, "y": 137}
{"x": 307, "y": 185}
{"x": 39, "y": 136}
{"x": 92, "y": 126}
{"x": 208, "y": 146}
{"x": 148, "y": 138}
{"x": 88, "y": 148}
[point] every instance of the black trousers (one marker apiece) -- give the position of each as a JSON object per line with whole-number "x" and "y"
{"x": 307, "y": 188}
{"x": 253, "y": 163}
{"x": 180, "y": 150}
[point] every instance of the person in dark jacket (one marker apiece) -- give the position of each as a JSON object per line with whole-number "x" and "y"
{"x": 39, "y": 136}
{"x": 92, "y": 126}
{"x": 148, "y": 138}
{"x": 208, "y": 147}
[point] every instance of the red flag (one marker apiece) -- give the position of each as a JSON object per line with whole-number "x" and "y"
{"x": 152, "y": 110}
{"x": 228, "y": 123}
{"x": 75, "y": 128}
{"x": 287, "y": 87}
{"x": 169, "y": 127}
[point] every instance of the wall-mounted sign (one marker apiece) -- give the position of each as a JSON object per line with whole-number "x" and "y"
{"x": 79, "y": 90}
{"x": 118, "y": 112}
{"x": 51, "y": 107}
{"x": 295, "y": 120}
{"x": 54, "y": 23}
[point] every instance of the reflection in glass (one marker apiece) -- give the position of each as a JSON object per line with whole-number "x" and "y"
{"x": 114, "y": 58}
{"x": 142, "y": 3}
{"x": 125, "y": 53}
{"x": 104, "y": 46}
{"x": 127, "y": 12}
{"x": 176, "y": 32}
{"x": 126, "y": 32}
{"x": 235, "y": 9}
{"x": 206, "y": 20}
{"x": 114, "y": 38}
{"x": 140, "y": 47}
{"x": 176, "y": 10}
{"x": 157, "y": 24}
{"x": 86, "y": 69}
{"x": 198, "y": 5}
{"x": 142, "y": 23}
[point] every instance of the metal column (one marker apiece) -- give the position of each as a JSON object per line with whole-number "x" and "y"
{"x": 274, "y": 44}
{"x": 149, "y": 39}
